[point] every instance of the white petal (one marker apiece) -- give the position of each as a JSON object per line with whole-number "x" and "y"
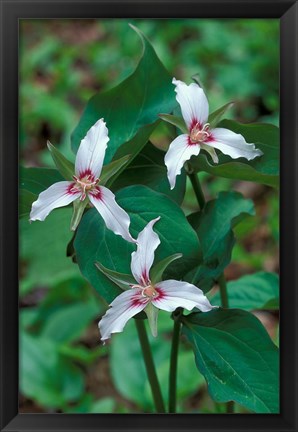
{"x": 58, "y": 195}
{"x": 232, "y": 144}
{"x": 116, "y": 219}
{"x": 124, "y": 307}
{"x": 175, "y": 294}
{"x": 178, "y": 153}
{"x": 91, "y": 153}
{"x": 142, "y": 259}
{"x": 193, "y": 103}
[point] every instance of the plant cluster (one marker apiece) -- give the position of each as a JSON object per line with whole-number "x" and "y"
{"x": 133, "y": 243}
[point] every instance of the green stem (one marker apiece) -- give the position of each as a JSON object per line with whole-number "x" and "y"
{"x": 173, "y": 367}
{"x": 223, "y": 291}
{"x": 150, "y": 368}
{"x": 196, "y": 185}
{"x": 230, "y": 407}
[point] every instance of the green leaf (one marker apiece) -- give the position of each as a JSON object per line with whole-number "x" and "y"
{"x": 176, "y": 121}
{"x": 81, "y": 354}
{"x": 147, "y": 92}
{"x": 26, "y": 199}
{"x": 215, "y": 117}
{"x": 122, "y": 280}
{"x": 109, "y": 172}
{"x": 68, "y": 323}
{"x": 105, "y": 405}
{"x": 36, "y": 180}
{"x": 158, "y": 269}
{"x": 237, "y": 358}
{"x": 43, "y": 251}
{"x": 149, "y": 169}
{"x": 255, "y": 291}
{"x": 45, "y": 376}
{"x": 32, "y": 182}
{"x": 64, "y": 166}
{"x": 264, "y": 169}
{"x": 214, "y": 228}
{"x": 95, "y": 243}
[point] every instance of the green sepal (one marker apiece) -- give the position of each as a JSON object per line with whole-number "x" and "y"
{"x": 64, "y": 166}
{"x": 152, "y": 315}
{"x": 111, "y": 171}
{"x": 157, "y": 270}
{"x": 211, "y": 151}
{"x": 216, "y": 116}
{"x": 78, "y": 211}
{"x": 122, "y": 280}
{"x": 176, "y": 121}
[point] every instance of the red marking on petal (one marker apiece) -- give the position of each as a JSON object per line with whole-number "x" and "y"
{"x": 190, "y": 142}
{"x": 145, "y": 278}
{"x": 72, "y": 189}
{"x": 87, "y": 173}
{"x": 96, "y": 193}
{"x": 160, "y": 294}
{"x": 209, "y": 138}
{"x": 194, "y": 123}
{"x": 138, "y": 300}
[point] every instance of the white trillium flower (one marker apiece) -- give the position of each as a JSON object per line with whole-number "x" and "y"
{"x": 195, "y": 111}
{"x": 88, "y": 167}
{"x": 166, "y": 295}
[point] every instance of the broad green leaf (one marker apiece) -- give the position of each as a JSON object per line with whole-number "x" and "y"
{"x": 263, "y": 169}
{"x": 32, "y": 182}
{"x": 176, "y": 121}
{"x": 109, "y": 171}
{"x": 147, "y": 92}
{"x": 237, "y": 358}
{"x": 81, "y": 354}
{"x": 122, "y": 280}
{"x": 214, "y": 228}
{"x": 45, "y": 376}
{"x": 149, "y": 169}
{"x": 43, "y": 251}
{"x": 158, "y": 269}
{"x": 216, "y": 116}
{"x": 64, "y": 166}
{"x": 68, "y": 323}
{"x": 95, "y": 243}
{"x": 255, "y": 291}
{"x": 26, "y": 199}
{"x": 36, "y": 180}
{"x": 101, "y": 406}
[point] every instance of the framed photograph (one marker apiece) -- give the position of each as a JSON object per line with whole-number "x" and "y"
{"x": 148, "y": 217}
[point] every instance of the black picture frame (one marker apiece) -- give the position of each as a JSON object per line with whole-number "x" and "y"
{"x": 11, "y": 12}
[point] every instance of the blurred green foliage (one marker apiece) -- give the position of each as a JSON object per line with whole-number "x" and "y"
{"x": 62, "y": 64}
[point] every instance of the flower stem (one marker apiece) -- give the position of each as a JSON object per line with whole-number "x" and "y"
{"x": 173, "y": 367}
{"x": 150, "y": 368}
{"x": 196, "y": 185}
{"x": 230, "y": 407}
{"x": 223, "y": 291}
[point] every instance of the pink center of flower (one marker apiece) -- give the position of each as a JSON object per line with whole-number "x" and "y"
{"x": 85, "y": 183}
{"x": 149, "y": 291}
{"x": 199, "y": 134}
{"x": 147, "y": 294}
